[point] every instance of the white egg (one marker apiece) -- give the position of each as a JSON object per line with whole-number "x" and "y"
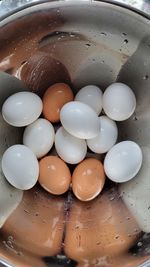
{"x": 106, "y": 138}
{"x": 22, "y": 108}
{"x": 123, "y": 161}
{"x": 119, "y": 102}
{"x": 79, "y": 120}
{"x": 39, "y": 137}
{"x": 20, "y": 167}
{"x": 92, "y": 96}
{"x": 71, "y": 149}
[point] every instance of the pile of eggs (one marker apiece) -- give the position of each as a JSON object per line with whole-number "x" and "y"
{"x": 61, "y": 137}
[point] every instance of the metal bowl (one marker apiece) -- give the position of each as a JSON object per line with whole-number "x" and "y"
{"x": 98, "y": 42}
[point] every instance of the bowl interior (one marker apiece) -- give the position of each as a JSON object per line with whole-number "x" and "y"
{"x": 80, "y": 44}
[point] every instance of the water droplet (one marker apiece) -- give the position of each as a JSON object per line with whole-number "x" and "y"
{"x": 88, "y": 45}
{"x": 125, "y": 41}
{"x": 19, "y": 253}
{"x": 139, "y": 244}
{"x": 26, "y": 211}
{"x": 10, "y": 238}
{"x": 111, "y": 198}
{"x": 104, "y": 33}
{"x": 145, "y": 77}
{"x": 135, "y": 118}
{"x": 9, "y": 243}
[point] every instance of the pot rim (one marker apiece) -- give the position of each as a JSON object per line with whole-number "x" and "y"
{"x": 115, "y": 3}
{"x": 75, "y": 2}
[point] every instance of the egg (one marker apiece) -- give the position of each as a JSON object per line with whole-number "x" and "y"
{"x": 123, "y": 161}
{"x": 39, "y": 137}
{"x": 22, "y": 108}
{"x": 92, "y": 96}
{"x": 53, "y": 100}
{"x": 119, "y": 102}
{"x": 88, "y": 179}
{"x": 106, "y": 138}
{"x": 71, "y": 149}
{"x": 79, "y": 120}
{"x": 55, "y": 176}
{"x": 20, "y": 167}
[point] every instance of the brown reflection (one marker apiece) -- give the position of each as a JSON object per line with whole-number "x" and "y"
{"x": 37, "y": 224}
{"x": 100, "y": 231}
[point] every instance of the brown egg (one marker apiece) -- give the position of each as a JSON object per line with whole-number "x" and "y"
{"x": 53, "y": 100}
{"x": 37, "y": 224}
{"x": 100, "y": 229}
{"x": 88, "y": 179}
{"x": 55, "y": 176}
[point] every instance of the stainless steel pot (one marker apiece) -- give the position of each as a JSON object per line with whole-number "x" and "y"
{"x": 99, "y": 42}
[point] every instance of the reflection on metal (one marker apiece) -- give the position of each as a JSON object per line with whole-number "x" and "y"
{"x": 9, "y": 5}
{"x": 6, "y": 264}
{"x": 146, "y": 264}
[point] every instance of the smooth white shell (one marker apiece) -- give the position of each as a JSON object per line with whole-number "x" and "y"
{"x": 119, "y": 102}
{"x": 71, "y": 149}
{"x": 123, "y": 161}
{"x": 106, "y": 138}
{"x": 79, "y": 120}
{"x": 22, "y": 108}
{"x": 20, "y": 167}
{"x": 39, "y": 137}
{"x": 92, "y": 96}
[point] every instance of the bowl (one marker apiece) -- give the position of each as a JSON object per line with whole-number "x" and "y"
{"x": 80, "y": 43}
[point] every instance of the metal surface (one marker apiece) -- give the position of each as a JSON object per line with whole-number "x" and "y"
{"x": 9, "y": 5}
{"x": 126, "y": 58}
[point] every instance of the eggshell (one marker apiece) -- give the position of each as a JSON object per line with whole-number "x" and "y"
{"x": 92, "y": 96}
{"x": 22, "y": 108}
{"x": 53, "y": 100}
{"x": 39, "y": 137}
{"x": 55, "y": 176}
{"x": 106, "y": 138}
{"x": 71, "y": 149}
{"x": 123, "y": 161}
{"x": 88, "y": 179}
{"x": 79, "y": 120}
{"x": 119, "y": 102}
{"x": 20, "y": 167}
